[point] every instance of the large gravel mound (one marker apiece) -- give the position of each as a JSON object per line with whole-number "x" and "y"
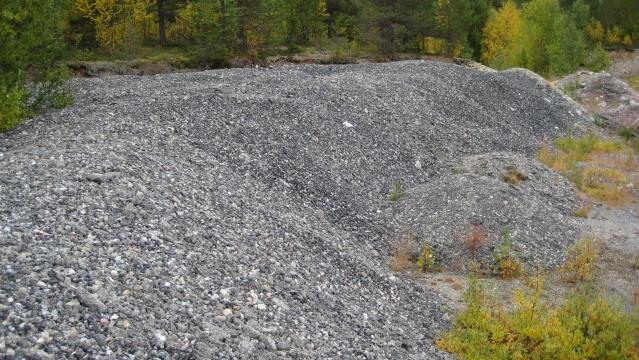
{"x": 241, "y": 213}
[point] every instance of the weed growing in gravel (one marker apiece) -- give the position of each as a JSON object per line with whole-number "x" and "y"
{"x": 627, "y": 133}
{"x": 569, "y": 151}
{"x": 599, "y": 167}
{"x": 476, "y": 238}
{"x": 396, "y": 191}
{"x": 514, "y": 176}
{"x": 426, "y": 260}
{"x": 403, "y": 253}
{"x": 609, "y": 185}
{"x": 584, "y": 210}
{"x": 581, "y": 261}
{"x": 586, "y": 326}
{"x": 571, "y": 88}
{"x": 600, "y": 121}
{"x": 506, "y": 263}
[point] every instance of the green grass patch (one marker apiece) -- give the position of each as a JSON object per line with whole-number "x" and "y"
{"x": 633, "y": 81}
{"x": 601, "y": 168}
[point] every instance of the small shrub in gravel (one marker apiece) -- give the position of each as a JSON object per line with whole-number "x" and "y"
{"x": 396, "y": 191}
{"x": 513, "y": 176}
{"x": 476, "y": 238}
{"x": 585, "y": 326}
{"x": 584, "y": 210}
{"x": 581, "y": 262}
{"x": 571, "y": 88}
{"x": 426, "y": 260}
{"x": 600, "y": 121}
{"x": 627, "y": 133}
{"x": 507, "y": 264}
{"x": 403, "y": 253}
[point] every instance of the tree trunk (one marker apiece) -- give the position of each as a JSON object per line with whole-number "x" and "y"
{"x": 161, "y": 22}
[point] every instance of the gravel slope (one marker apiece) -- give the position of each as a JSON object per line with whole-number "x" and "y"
{"x": 240, "y": 213}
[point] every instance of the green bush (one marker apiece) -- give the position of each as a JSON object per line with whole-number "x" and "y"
{"x": 31, "y": 42}
{"x": 598, "y": 59}
{"x": 507, "y": 265}
{"x": 586, "y": 326}
{"x": 11, "y": 107}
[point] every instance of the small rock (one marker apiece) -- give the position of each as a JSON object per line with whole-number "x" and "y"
{"x": 160, "y": 339}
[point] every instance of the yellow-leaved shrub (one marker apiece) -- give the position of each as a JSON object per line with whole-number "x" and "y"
{"x": 586, "y": 326}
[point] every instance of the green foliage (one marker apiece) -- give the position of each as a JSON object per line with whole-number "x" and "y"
{"x": 548, "y": 41}
{"x": 396, "y": 191}
{"x": 600, "y": 121}
{"x": 598, "y": 59}
{"x": 32, "y": 30}
{"x": 210, "y": 30}
{"x": 11, "y": 107}
{"x": 570, "y": 89}
{"x": 546, "y": 36}
{"x": 627, "y": 133}
{"x": 426, "y": 259}
{"x": 460, "y": 22}
{"x": 581, "y": 262}
{"x": 507, "y": 266}
{"x": 586, "y": 326}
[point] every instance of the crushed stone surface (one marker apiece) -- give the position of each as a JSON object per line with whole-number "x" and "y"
{"x": 536, "y": 208}
{"x": 241, "y": 213}
{"x": 606, "y": 95}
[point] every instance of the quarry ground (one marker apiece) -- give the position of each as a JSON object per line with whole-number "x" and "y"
{"x": 246, "y": 213}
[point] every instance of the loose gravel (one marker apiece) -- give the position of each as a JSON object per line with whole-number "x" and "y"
{"x": 242, "y": 213}
{"x": 484, "y": 196}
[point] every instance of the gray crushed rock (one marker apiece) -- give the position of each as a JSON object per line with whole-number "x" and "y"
{"x": 624, "y": 63}
{"x": 538, "y": 211}
{"x": 233, "y": 214}
{"x": 606, "y": 95}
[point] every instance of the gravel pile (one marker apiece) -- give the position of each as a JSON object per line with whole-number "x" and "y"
{"x": 605, "y": 95}
{"x": 483, "y": 196}
{"x": 241, "y": 213}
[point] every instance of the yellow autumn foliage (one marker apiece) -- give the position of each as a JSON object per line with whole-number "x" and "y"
{"x": 613, "y": 37}
{"x": 595, "y": 31}
{"x": 586, "y": 326}
{"x": 117, "y": 22}
{"x": 499, "y": 34}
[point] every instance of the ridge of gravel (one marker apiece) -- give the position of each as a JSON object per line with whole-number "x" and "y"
{"x": 240, "y": 213}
